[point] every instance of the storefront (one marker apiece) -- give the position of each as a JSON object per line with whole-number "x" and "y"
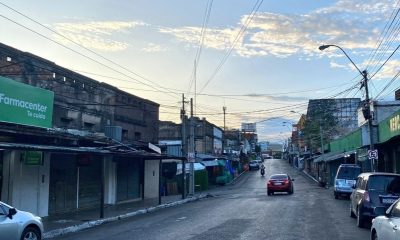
{"x": 129, "y": 182}
{"x": 75, "y": 182}
{"x": 389, "y": 146}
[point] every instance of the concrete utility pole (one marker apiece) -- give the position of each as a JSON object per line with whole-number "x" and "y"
{"x": 192, "y": 154}
{"x": 184, "y": 144}
{"x": 368, "y": 116}
{"x": 223, "y": 139}
{"x": 322, "y": 146}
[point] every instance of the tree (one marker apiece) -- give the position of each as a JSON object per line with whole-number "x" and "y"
{"x": 321, "y": 116}
{"x": 258, "y": 149}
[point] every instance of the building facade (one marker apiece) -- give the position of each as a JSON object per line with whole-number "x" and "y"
{"x": 90, "y": 144}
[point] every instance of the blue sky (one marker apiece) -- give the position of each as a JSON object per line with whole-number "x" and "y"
{"x": 273, "y": 69}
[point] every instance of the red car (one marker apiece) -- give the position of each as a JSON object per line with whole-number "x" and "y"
{"x": 280, "y": 183}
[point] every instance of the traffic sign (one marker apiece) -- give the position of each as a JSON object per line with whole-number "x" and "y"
{"x": 373, "y": 154}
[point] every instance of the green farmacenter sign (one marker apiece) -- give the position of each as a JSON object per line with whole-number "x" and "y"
{"x": 24, "y": 104}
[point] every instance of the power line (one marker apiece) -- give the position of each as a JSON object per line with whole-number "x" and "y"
{"x": 201, "y": 41}
{"x": 81, "y": 54}
{"x": 240, "y": 33}
{"x": 390, "y": 39}
{"x": 388, "y": 84}
{"x": 383, "y": 34}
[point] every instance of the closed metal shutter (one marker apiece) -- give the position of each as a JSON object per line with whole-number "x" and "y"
{"x": 63, "y": 181}
{"x": 128, "y": 179}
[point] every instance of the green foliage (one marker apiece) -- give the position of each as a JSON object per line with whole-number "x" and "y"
{"x": 321, "y": 118}
{"x": 258, "y": 149}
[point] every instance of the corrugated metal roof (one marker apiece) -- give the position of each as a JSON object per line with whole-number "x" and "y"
{"x": 332, "y": 156}
{"x": 126, "y": 153}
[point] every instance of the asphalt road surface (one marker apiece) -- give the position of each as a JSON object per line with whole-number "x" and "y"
{"x": 244, "y": 211}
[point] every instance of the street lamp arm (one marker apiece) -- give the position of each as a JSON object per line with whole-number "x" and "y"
{"x": 323, "y": 47}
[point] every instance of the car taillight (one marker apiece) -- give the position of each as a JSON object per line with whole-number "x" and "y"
{"x": 269, "y": 182}
{"x": 366, "y": 196}
{"x": 286, "y": 181}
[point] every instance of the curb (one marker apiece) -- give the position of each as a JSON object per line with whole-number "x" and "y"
{"x": 311, "y": 177}
{"x": 91, "y": 224}
{"x": 236, "y": 178}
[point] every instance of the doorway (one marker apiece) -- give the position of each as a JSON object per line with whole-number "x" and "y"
{"x": 128, "y": 179}
{"x": 62, "y": 189}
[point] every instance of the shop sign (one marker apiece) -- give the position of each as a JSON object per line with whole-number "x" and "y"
{"x": 32, "y": 158}
{"x": 395, "y": 123}
{"x": 24, "y": 104}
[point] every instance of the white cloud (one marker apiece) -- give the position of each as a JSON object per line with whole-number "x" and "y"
{"x": 346, "y": 23}
{"x": 151, "y": 48}
{"x": 95, "y": 35}
{"x": 337, "y": 65}
{"x": 389, "y": 70}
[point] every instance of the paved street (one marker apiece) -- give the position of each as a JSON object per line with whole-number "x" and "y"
{"x": 244, "y": 211}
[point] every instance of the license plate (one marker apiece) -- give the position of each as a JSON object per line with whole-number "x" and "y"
{"x": 388, "y": 200}
{"x": 277, "y": 183}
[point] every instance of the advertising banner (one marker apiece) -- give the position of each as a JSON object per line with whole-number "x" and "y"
{"x": 249, "y": 127}
{"x": 24, "y": 104}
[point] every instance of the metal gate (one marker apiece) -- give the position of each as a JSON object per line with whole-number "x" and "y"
{"x": 128, "y": 179}
{"x": 63, "y": 181}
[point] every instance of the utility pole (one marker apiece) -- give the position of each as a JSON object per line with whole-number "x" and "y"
{"x": 322, "y": 148}
{"x": 192, "y": 156}
{"x": 184, "y": 144}
{"x": 223, "y": 138}
{"x": 368, "y": 116}
{"x": 183, "y": 119}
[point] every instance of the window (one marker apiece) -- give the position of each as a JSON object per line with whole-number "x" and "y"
{"x": 389, "y": 184}
{"x": 124, "y": 134}
{"x": 364, "y": 184}
{"x": 3, "y": 210}
{"x": 280, "y": 177}
{"x": 88, "y": 125}
{"x": 396, "y": 210}
{"x": 138, "y": 136}
{"x": 358, "y": 184}
{"x": 348, "y": 172}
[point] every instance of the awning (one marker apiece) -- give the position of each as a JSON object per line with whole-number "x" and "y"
{"x": 210, "y": 163}
{"x": 139, "y": 154}
{"x": 50, "y": 148}
{"x": 327, "y": 157}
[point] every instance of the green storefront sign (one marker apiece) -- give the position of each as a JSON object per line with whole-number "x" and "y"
{"x": 23, "y": 104}
{"x": 390, "y": 127}
{"x": 33, "y": 157}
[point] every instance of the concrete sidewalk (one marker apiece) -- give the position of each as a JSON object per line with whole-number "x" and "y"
{"x": 62, "y": 224}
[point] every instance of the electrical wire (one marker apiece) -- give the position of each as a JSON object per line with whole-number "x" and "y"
{"x": 201, "y": 42}
{"x": 79, "y": 53}
{"x": 240, "y": 33}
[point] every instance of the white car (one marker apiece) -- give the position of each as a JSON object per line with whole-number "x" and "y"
{"x": 386, "y": 226}
{"x": 19, "y": 225}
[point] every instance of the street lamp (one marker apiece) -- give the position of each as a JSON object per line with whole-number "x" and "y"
{"x": 366, "y": 110}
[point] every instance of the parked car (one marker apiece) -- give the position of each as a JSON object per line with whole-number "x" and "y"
{"x": 16, "y": 224}
{"x": 373, "y": 190}
{"x": 254, "y": 165}
{"x": 387, "y": 226}
{"x": 345, "y": 178}
{"x": 280, "y": 183}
